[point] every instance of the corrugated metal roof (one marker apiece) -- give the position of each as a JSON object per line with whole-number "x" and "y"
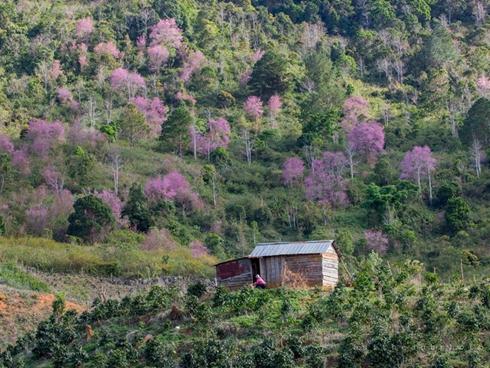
{"x": 287, "y": 248}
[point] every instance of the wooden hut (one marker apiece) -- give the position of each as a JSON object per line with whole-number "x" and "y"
{"x": 294, "y": 264}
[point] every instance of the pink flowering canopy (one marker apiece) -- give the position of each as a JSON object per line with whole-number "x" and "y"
{"x": 325, "y": 183}
{"x": 253, "y": 107}
{"x": 166, "y": 33}
{"x": 483, "y": 86}
{"x": 43, "y": 136}
{"x": 257, "y": 55}
{"x": 184, "y": 96}
{"x": 355, "y": 109}
{"x": 417, "y": 163}
{"x": 112, "y": 201}
{"x": 368, "y": 139}
{"x": 85, "y": 137}
{"x": 155, "y": 113}
{"x": 107, "y": 49}
{"x": 119, "y": 78}
{"x": 6, "y": 144}
{"x": 65, "y": 97}
{"x": 217, "y": 136}
{"x": 158, "y": 56}
{"x": 166, "y": 187}
{"x": 53, "y": 178}
{"x": 20, "y": 160}
{"x": 56, "y": 71}
{"x": 376, "y": 241}
{"x": 192, "y": 64}
{"x": 292, "y": 170}
{"x": 275, "y": 104}
{"x": 84, "y": 27}
{"x": 123, "y": 79}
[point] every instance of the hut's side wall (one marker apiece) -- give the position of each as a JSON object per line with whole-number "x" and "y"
{"x": 296, "y": 270}
{"x": 330, "y": 268}
{"x": 303, "y": 270}
{"x": 234, "y": 274}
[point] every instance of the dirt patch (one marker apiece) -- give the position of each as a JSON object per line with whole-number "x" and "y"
{"x": 22, "y": 310}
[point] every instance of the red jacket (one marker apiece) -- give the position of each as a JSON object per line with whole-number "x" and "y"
{"x": 259, "y": 281}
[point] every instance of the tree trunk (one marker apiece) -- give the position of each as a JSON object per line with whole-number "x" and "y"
{"x": 430, "y": 186}
{"x": 476, "y": 155}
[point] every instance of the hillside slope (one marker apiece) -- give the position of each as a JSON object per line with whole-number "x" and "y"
{"x": 389, "y": 317}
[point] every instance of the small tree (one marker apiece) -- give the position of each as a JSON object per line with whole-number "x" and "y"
{"x": 92, "y": 219}
{"x": 417, "y": 164}
{"x": 457, "y": 214}
{"x": 175, "y": 133}
{"x": 136, "y": 209}
{"x": 132, "y": 125}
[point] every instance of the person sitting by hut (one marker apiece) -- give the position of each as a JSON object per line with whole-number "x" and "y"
{"x": 259, "y": 282}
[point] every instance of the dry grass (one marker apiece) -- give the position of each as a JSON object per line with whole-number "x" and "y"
{"x": 50, "y": 256}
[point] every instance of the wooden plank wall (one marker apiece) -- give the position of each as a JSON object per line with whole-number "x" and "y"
{"x": 330, "y": 268}
{"x": 238, "y": 274}
{"x": 303, "y": 269}
{"x": 271, "y": 270}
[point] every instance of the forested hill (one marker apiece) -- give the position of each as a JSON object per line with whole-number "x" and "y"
{"x": 193, "y": 129}
{"x": 143, "y": 139}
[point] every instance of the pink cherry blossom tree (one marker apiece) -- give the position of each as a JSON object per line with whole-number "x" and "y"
{"x": 89, "y": 138}
{"x": 417, "y": 164}
{"x": 166, "y": 33}
{"x": 483, "y": 86}
{"x": 325, "y": 183}
{"x": 42, "y": 136}
{"x": 62, "y": 205}
{"x": 53, "y": 179}
{"x": 131, "y": 81}
{"x": 217, "y": 136}
{"x": 366, "y": 139}
{"x": 158, "y": 56}
{"x": 355, "y": 110}
{"x": 275, "y": 105}
{"x": 185, "y": 96}
{"x": 155, "y": 113}
{"x": 36, "y": 220}
{"x": 20, "y": 160}
{"x": 84, "y": 27}
{"x": 113, "y": 202}
{"x": 257, "y": 55}
{"x": 107, "y": 49}
{"x": 194, "y": 61}
{"x": 253, "y": 107}
{"x": 292, "y": 170}
{"x": 376, "y": 241}
{"x": 174, "y": 187}
{"x": 65, "y": 97}
{"x": 56, "y": 70}
{"x": 6, "y": 144}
